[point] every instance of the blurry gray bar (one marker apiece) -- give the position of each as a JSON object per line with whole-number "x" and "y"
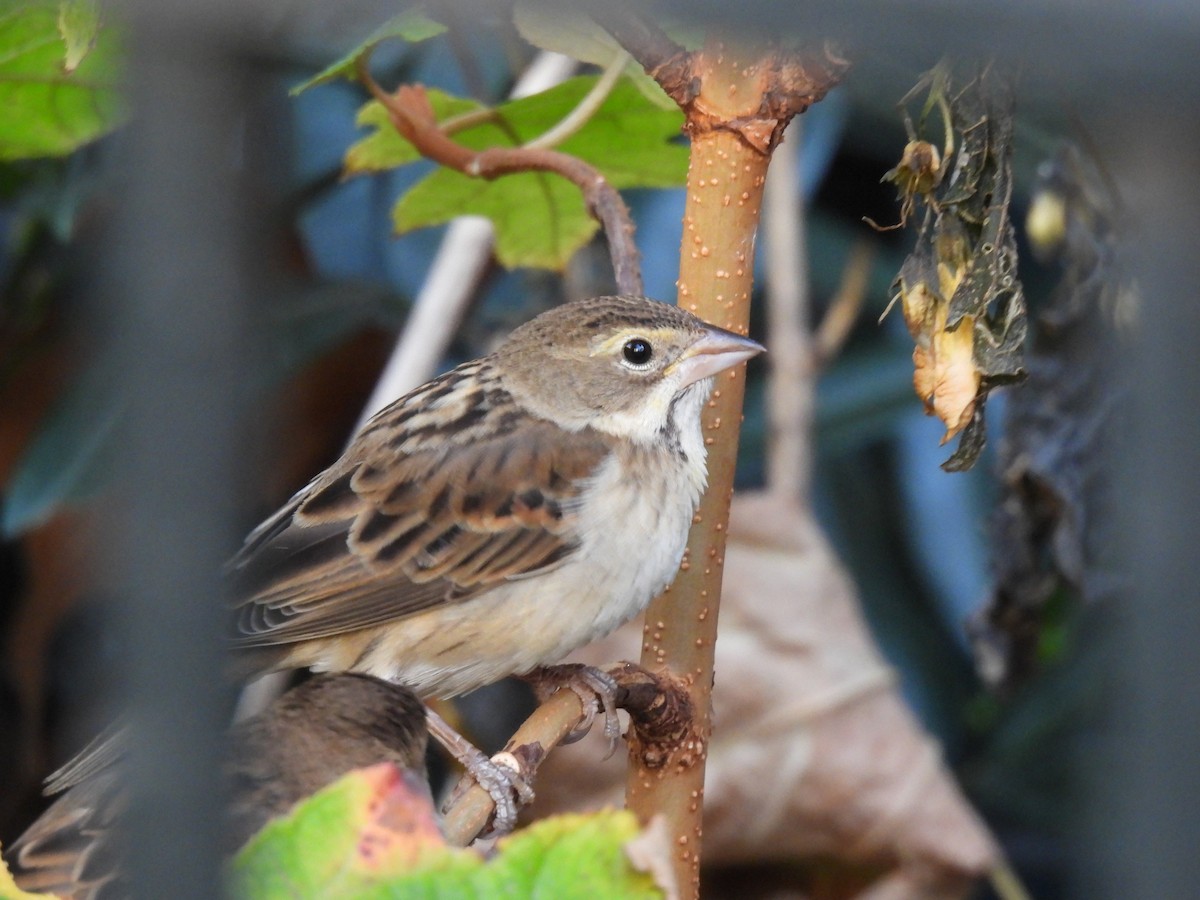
{"x": 176, "y": 303}
{"x": 1147, "y": 779}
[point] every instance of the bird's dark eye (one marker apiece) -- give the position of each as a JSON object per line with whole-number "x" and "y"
{"x": 637, "y": 351}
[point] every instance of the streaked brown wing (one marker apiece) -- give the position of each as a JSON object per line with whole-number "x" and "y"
{"x": 417, "y": 513}
{"x": 68, "y": 850}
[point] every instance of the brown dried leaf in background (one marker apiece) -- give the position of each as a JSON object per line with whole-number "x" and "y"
{"x": 944, "y": 373}
{"x": 961, "y": 298}
{"x": 1048, "y": 531}
{"x": 814, "y": 754}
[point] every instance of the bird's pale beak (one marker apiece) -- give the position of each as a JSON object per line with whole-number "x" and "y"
{"x": 715, "y": 352}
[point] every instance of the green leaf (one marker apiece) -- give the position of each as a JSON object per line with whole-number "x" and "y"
{"x": 540, "y": 218}
{"x": 56, "y": 93}
{"x": 374, "y": 834}
{"x": 570, "y": 856}
{"x": 79, "y": 25}
{"x": 412, "y": 26}
{"x": 367, "y": 827}
{"x": 562, "y": 29}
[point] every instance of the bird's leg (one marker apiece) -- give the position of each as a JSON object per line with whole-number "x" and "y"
{"x": 597, "y": 690}
{"x": 505, "y": 784}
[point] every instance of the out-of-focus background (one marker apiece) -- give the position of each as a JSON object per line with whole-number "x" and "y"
{"x": 332, "y": 289}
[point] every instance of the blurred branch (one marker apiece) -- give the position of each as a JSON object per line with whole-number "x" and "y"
{"x": 790, "y": 391}
{"x": 642, "y": 39}
{"x": 845, "y": 306}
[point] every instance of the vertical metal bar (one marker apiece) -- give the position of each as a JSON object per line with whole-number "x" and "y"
{"x": 176, "y": 299}
{"x": 1147, "y": 778}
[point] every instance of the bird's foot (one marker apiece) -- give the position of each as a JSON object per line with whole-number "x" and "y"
{"x": 597, "y": 691}
{"x": 501, "y": 776}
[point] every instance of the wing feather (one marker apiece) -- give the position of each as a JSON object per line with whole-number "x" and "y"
{"x": 428, "y": 506}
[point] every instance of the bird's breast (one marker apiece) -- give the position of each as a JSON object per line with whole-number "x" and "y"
{"x": 633, "y": 526}
{"x": 632, "y": 521}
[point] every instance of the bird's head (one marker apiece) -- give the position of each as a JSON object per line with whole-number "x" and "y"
{"x": 617, "y": 364}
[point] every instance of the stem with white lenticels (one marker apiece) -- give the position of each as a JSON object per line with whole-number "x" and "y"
{"x": 737, "y": 103}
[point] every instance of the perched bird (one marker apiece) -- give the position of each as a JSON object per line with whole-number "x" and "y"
{"x": 505, "y": 513}
{"x": 305, "y": 740}
{"x": 493, "y": 520}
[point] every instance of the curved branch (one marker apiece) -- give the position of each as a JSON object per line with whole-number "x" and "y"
{"x": 412, "y": 116}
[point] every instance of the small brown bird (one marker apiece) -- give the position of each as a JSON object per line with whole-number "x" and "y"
{"x": 305, "y": 740}
{"x": 505, "y": 513}
{"x": 495, "y": 519}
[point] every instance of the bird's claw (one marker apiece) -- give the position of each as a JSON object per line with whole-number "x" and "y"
{"x": 505, "y": 782}
{"x": 597, "y": 691}
{"x": 502, "y": 776}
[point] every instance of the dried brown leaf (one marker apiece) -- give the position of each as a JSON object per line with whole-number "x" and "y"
{"x": 962, "y": 301}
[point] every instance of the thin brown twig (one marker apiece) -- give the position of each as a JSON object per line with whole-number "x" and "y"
{"x": 545, "y": 729}
{"x": 659, "y": 711}
{"x": 412, "y": 116}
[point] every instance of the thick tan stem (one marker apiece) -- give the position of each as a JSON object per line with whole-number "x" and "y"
{"x": 725, "y": 186}
{"x": 736, "y": 104}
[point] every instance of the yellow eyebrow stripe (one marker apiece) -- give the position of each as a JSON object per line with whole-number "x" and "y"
{"x": 614, "y": 343}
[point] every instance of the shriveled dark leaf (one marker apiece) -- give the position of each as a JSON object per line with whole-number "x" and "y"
{"x": 971, "y": 444}
{"x": 971, "y": 125}
{"x": 1059, "y": 430}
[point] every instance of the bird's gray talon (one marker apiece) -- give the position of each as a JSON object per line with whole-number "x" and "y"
{"x": 505, "y": 783}
{"x": 597, "y": 691}
{"x": 590, "y": 706}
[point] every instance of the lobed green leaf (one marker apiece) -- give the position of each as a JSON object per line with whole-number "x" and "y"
{"x": 58, "y": 77}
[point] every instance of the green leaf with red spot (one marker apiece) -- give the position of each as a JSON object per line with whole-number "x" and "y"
{"x": 374, "y": 834}
{"x": 370, "y": 825}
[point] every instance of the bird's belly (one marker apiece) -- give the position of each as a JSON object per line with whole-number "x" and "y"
{"x": 632, "y": 539}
